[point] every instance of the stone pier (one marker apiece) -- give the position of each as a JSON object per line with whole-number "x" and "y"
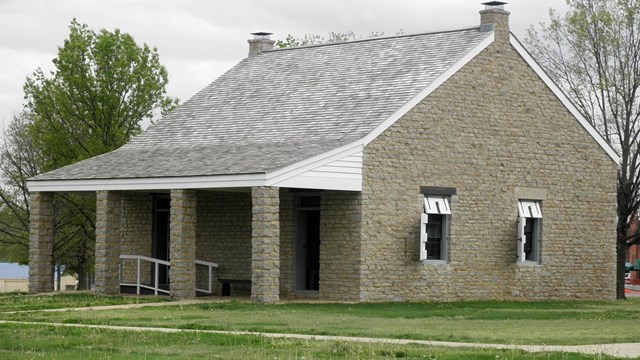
{"x": 183, "y": 244}
{"x": 108, "y": 218}
{"x": 41, "y": 242}
{"x": 265, "y": 244}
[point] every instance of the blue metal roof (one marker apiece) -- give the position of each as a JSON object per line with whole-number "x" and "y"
{"x": 14, "y": 271}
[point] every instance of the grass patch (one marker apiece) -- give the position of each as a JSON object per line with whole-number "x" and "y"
{"x": 552, "y": 323}
{"x": 25, "y": 302}
{"x": 28, "y": 341}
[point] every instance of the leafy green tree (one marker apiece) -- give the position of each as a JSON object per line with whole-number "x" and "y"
{"x": 593, "y": 54}
{"x": 103, "y": 87}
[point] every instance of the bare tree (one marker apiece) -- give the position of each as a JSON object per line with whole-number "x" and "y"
{"x": 17, "y": 163}
{"x": 593, "y": 54}
{"x": 332, "y": 37}
{"x": 74, "y": 225}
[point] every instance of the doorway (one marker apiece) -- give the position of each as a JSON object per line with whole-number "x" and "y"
{"x": 307, "y": 270}
{"x": 161, "y": 238}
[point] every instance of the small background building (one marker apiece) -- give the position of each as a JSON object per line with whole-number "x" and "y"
{"x": 14, "y": 277}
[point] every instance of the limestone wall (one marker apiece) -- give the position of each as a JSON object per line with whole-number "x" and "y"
{"x": 494, "y": 132}
{"x": 287, "y": 243}
{"x": 340, "y": 219}
{"x": 224, "y": 237}
{"x": 136, "y": 232}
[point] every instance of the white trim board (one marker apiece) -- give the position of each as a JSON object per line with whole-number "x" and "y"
{"x": 187, "y": 182}
{"x": 315, "y": 162}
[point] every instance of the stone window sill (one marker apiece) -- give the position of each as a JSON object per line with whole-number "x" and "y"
{"x": 528, "y": 263}
{"x": 438, "y": 263}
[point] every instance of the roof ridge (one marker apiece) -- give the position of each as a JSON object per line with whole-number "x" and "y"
{"x": 369, "y": 39}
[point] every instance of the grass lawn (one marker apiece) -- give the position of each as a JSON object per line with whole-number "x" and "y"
{"x": 25, "y": 342}
{"x": 492, "y": 322}
{"x": 25, "y": 302}
{"x": 550, "y": 323}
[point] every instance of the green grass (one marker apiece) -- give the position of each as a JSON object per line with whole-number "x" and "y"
{"x": 25, "y": 302}
{"x": 551, "y": 323}
{"x": 26, "y": 342}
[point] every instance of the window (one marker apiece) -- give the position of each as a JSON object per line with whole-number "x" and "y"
{"x": 529, "y": 223}
{"x": 434, "y": 228}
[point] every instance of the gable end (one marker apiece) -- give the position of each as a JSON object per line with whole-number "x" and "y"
{"x": 564, "y": 99}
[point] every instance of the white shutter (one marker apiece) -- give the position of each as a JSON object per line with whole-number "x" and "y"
{"x": 436, "y": 205}
{"x": 521, "y": 238}
{"x": 529, "y": 209}
{"x": 423, "y": 236}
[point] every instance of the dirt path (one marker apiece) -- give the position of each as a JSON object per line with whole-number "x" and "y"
{"x": 628, "y": 350}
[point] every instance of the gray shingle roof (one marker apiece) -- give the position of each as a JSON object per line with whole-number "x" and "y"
{"x": 282, "y": 107}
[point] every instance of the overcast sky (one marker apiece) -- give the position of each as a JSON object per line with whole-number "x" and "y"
{"x": 200, "y": 39}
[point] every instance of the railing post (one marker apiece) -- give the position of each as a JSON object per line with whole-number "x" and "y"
{"x": 210, "y": 279}
{"x": 138, "y": 277}
{"x": 155, "y": 285}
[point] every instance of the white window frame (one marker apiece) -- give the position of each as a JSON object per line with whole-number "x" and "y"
{"x": 435, "y": 205}
{"x": 529, "y": 210}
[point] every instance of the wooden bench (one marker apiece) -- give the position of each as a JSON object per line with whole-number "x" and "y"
{"x": 226, "y": 285}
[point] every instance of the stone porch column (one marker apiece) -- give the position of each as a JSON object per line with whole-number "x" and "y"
{"x": 41, "y": 222}
{"x": 182, "y": 248}
{"x": 108, "y": 217}
{"x": 265, "y": 244}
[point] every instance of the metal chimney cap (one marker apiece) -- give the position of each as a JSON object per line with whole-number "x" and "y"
{"x": 261, "y": 35}
{"x": 494, "y": 4}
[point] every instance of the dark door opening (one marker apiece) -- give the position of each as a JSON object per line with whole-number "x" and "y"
{"x": 161, "y": 238}
{"x": 308, "y": 243}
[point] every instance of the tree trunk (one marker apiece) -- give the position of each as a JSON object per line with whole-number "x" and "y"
{"x": 621, "y": 252}
{"x": 620, "y": 268}
{"x": 58, "y": 277}
{"x": 82, "y": 278}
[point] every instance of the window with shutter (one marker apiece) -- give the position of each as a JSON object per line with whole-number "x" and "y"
{"x": 434, "y": 228}
{"x": 529, "y": 223}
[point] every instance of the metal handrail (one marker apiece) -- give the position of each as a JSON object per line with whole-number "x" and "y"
{"x": 157, "y": 263}
{"x": 210, "y": 266}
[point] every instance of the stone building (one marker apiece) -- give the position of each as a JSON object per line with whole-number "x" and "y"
{"x": 441, "y": 166}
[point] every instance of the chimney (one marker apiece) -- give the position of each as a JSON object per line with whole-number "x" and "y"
{"x": 260, "y": 42}
{"x": 495, "y": 18}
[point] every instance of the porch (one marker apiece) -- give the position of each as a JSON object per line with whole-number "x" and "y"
{"x": 263, "y": 242}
